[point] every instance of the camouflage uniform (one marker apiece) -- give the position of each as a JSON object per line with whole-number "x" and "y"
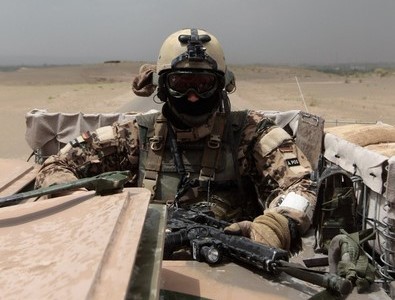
{"x": 240, "y": 165}
{"x": 263, "y": 162}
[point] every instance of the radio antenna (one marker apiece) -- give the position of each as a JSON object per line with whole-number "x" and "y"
{"x": 301, "y": 94}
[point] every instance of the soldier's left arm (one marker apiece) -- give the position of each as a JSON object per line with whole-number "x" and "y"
{"x": 284, "y": 177}
{"x": 281, "y": 174}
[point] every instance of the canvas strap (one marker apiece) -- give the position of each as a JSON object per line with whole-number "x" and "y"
{"x": 155, "y": 154}
{"x": 213, "y": 148}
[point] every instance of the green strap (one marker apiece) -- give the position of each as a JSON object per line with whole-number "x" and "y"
{"x": 213, "y": 148}
{"x": 364, "y": 271}
{"x": 155, "y": 154}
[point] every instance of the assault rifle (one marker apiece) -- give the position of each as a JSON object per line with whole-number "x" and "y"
{"x": 204, "y": 236}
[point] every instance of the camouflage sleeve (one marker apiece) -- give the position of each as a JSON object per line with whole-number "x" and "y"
{"x": 278, "y": 168}
{"x": 109, "y": 148}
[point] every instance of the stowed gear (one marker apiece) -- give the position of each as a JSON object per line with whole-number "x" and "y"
{"x": 191, "y": 61}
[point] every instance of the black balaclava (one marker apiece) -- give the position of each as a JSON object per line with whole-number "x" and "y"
{"x": 185, "y": 114}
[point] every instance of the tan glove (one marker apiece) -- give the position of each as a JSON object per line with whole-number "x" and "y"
{"x": 270, "y": 229}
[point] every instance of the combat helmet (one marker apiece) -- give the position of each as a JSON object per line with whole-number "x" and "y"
{"x": 191, "y": 61}
{"x": 191, "y": 48}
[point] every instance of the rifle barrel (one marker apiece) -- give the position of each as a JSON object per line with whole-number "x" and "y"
{"x": 327, "y": 280}
{"x": 101, "y": 183}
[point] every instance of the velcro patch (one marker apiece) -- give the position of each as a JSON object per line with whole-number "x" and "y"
{"x": 273, "y": 139}
{"x": 105, "y": 133}
{"x": 293, "y": 162}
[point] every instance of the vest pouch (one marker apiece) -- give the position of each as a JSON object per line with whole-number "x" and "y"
{"x": 227, "y": 205}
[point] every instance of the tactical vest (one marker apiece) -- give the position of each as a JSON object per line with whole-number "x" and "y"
{"x": 210, "y": 162}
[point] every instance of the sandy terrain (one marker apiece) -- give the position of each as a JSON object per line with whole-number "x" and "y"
{"x": 106, "y": 88}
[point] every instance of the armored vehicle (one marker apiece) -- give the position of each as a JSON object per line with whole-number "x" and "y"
{"x": 109, "y": 242}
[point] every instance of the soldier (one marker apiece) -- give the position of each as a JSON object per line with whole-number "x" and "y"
{"x": 238, "y": 165}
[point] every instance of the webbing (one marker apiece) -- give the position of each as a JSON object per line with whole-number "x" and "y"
{"x": 155, "y": 154}
{"x": 212, "y": 148}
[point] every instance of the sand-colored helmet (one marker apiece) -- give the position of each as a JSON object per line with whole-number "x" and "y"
{"x": 192, "y": 49}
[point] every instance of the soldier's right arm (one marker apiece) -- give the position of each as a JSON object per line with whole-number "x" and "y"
{"x": 109, "y": 148}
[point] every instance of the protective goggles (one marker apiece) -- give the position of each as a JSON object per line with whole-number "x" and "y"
{"x": 202, "y": 83}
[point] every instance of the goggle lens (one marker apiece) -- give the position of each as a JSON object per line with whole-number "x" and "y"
{"x": 180, "y": 83}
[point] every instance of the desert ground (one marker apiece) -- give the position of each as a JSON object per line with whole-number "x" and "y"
{"x": 106, "y": 87}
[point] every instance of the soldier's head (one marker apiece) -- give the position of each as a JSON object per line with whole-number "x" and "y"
{"x": 191, "y": 69}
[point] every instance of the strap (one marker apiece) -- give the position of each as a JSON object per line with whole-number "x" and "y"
{"x": 185, "y": 183}
{"x": 212, "y": 149}
{"x": 155, "y": 154}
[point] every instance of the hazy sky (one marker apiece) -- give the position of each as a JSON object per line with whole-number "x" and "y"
{"x": 251, "y": 31}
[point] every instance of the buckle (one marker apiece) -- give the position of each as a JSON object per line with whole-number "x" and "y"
{"x": 205, "y": 178}
{"x": 156, "y": 143}
{"x": 214, "y": 142}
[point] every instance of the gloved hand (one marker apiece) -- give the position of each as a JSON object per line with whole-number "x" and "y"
{"x": 270, "y": 229}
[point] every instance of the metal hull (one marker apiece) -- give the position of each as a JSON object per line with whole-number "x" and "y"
{"x": 85, "y": 246}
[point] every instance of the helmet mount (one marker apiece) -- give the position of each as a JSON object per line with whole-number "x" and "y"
{"x": 195, "y": 49}
{"x": 191, "y": 49}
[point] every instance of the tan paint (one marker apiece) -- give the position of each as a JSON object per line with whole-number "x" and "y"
{"x": 14, "y": 175}
{"x": 233, "y": 282}
{"x": 73, "y": 247}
